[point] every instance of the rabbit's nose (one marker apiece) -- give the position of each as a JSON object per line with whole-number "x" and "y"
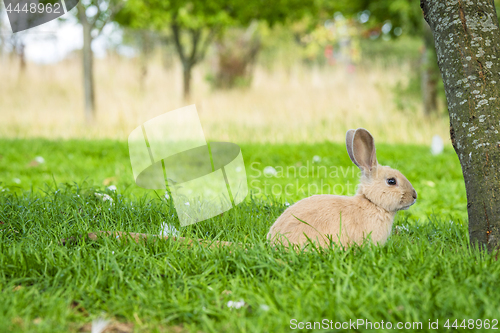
{"x": 414, "y": 194}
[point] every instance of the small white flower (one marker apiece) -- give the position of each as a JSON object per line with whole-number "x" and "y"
{"x": 402, "y": 228}
{"x": 287, "y": 203}
{"x": 112, "y": 188}
{"x": 112, "y": 252}
{"x": 236, "y": 304}
{"x": 187, "y": 204}
{"x": 437, "y": 145}
{"x": 264, "y": 307}
{"x": 168, "y": 230}
{"x": 270, "y": 171}
{"x": 430, "y": 183}
{"x": 316, "y": 159}
{"x": 99, "y": 325}
{"x": 104, "y": 197}
{"x": 16, "y": 180}
{"x": 167, "y": 196}
{"x": 40, "y": 159}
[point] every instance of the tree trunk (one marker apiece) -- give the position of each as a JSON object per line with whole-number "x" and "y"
{"x": 186, "y": 92}
{"x": 146, "y": 50}
{"x": 430, "y": 73}
{"x": 197, "y": 53}
{"x": 467, "y": 39}
{"x": 88, "y": 74}
{"x": 88, "y": 67}
{"x": 22, "y": 56}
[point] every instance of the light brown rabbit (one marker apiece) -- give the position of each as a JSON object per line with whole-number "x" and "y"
{"x": 382, "y": 192}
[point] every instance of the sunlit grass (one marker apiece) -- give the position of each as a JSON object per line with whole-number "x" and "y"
{"x": 100, "y": 163}
{"x": 426, "y": 271}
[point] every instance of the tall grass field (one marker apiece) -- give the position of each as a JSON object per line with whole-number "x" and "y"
{"x": 427, "y": 278}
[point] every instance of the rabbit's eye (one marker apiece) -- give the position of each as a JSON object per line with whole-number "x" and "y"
{"x": 391, "y": 181}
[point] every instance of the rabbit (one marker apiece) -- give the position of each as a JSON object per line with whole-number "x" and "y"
{"x": 382, "y": 192}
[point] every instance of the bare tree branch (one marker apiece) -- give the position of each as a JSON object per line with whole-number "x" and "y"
{"x": 81, "y": 13}
{"x": 195, "y": 34}
{"x": 206, "y": 43}
{"x": 177, "y": 40}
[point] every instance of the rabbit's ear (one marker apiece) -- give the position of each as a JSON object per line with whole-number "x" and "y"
{"x": 349, "y": 136}
{"x": 363, "y": 150}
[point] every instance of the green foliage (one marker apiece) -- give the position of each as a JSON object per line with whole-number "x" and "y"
{"x": 196, "y": 14}
{"x": 401, "y": 13}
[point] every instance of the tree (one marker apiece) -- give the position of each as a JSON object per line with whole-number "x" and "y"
{"x": 93, "y": 15}
{"x": 236, "y": 53}
{"x": 191, "y": 25}
{"x": 467, "y": 39}
{"x": 194, "y": 24}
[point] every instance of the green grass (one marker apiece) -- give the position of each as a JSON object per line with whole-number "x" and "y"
{"x": 438, "y": 180}
{"x": 426, "y": 271}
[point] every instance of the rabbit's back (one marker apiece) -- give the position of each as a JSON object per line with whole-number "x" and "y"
{"x": 344, "y": 219}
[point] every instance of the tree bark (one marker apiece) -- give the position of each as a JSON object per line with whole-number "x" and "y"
{"x": 467, "y": 39}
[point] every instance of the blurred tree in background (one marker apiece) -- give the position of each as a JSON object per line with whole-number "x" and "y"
{"x": 93, "y": 15}
{"x": 194, "y": 25}
{"x": 325, "y": 33}
{"x": 15, "y": 43}
{"x": 236, "y": 52}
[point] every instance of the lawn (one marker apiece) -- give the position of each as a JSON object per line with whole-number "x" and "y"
{"x": 426, "y": 272}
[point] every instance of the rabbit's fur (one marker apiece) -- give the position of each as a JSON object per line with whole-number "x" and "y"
{"x": 348, "y": 220}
